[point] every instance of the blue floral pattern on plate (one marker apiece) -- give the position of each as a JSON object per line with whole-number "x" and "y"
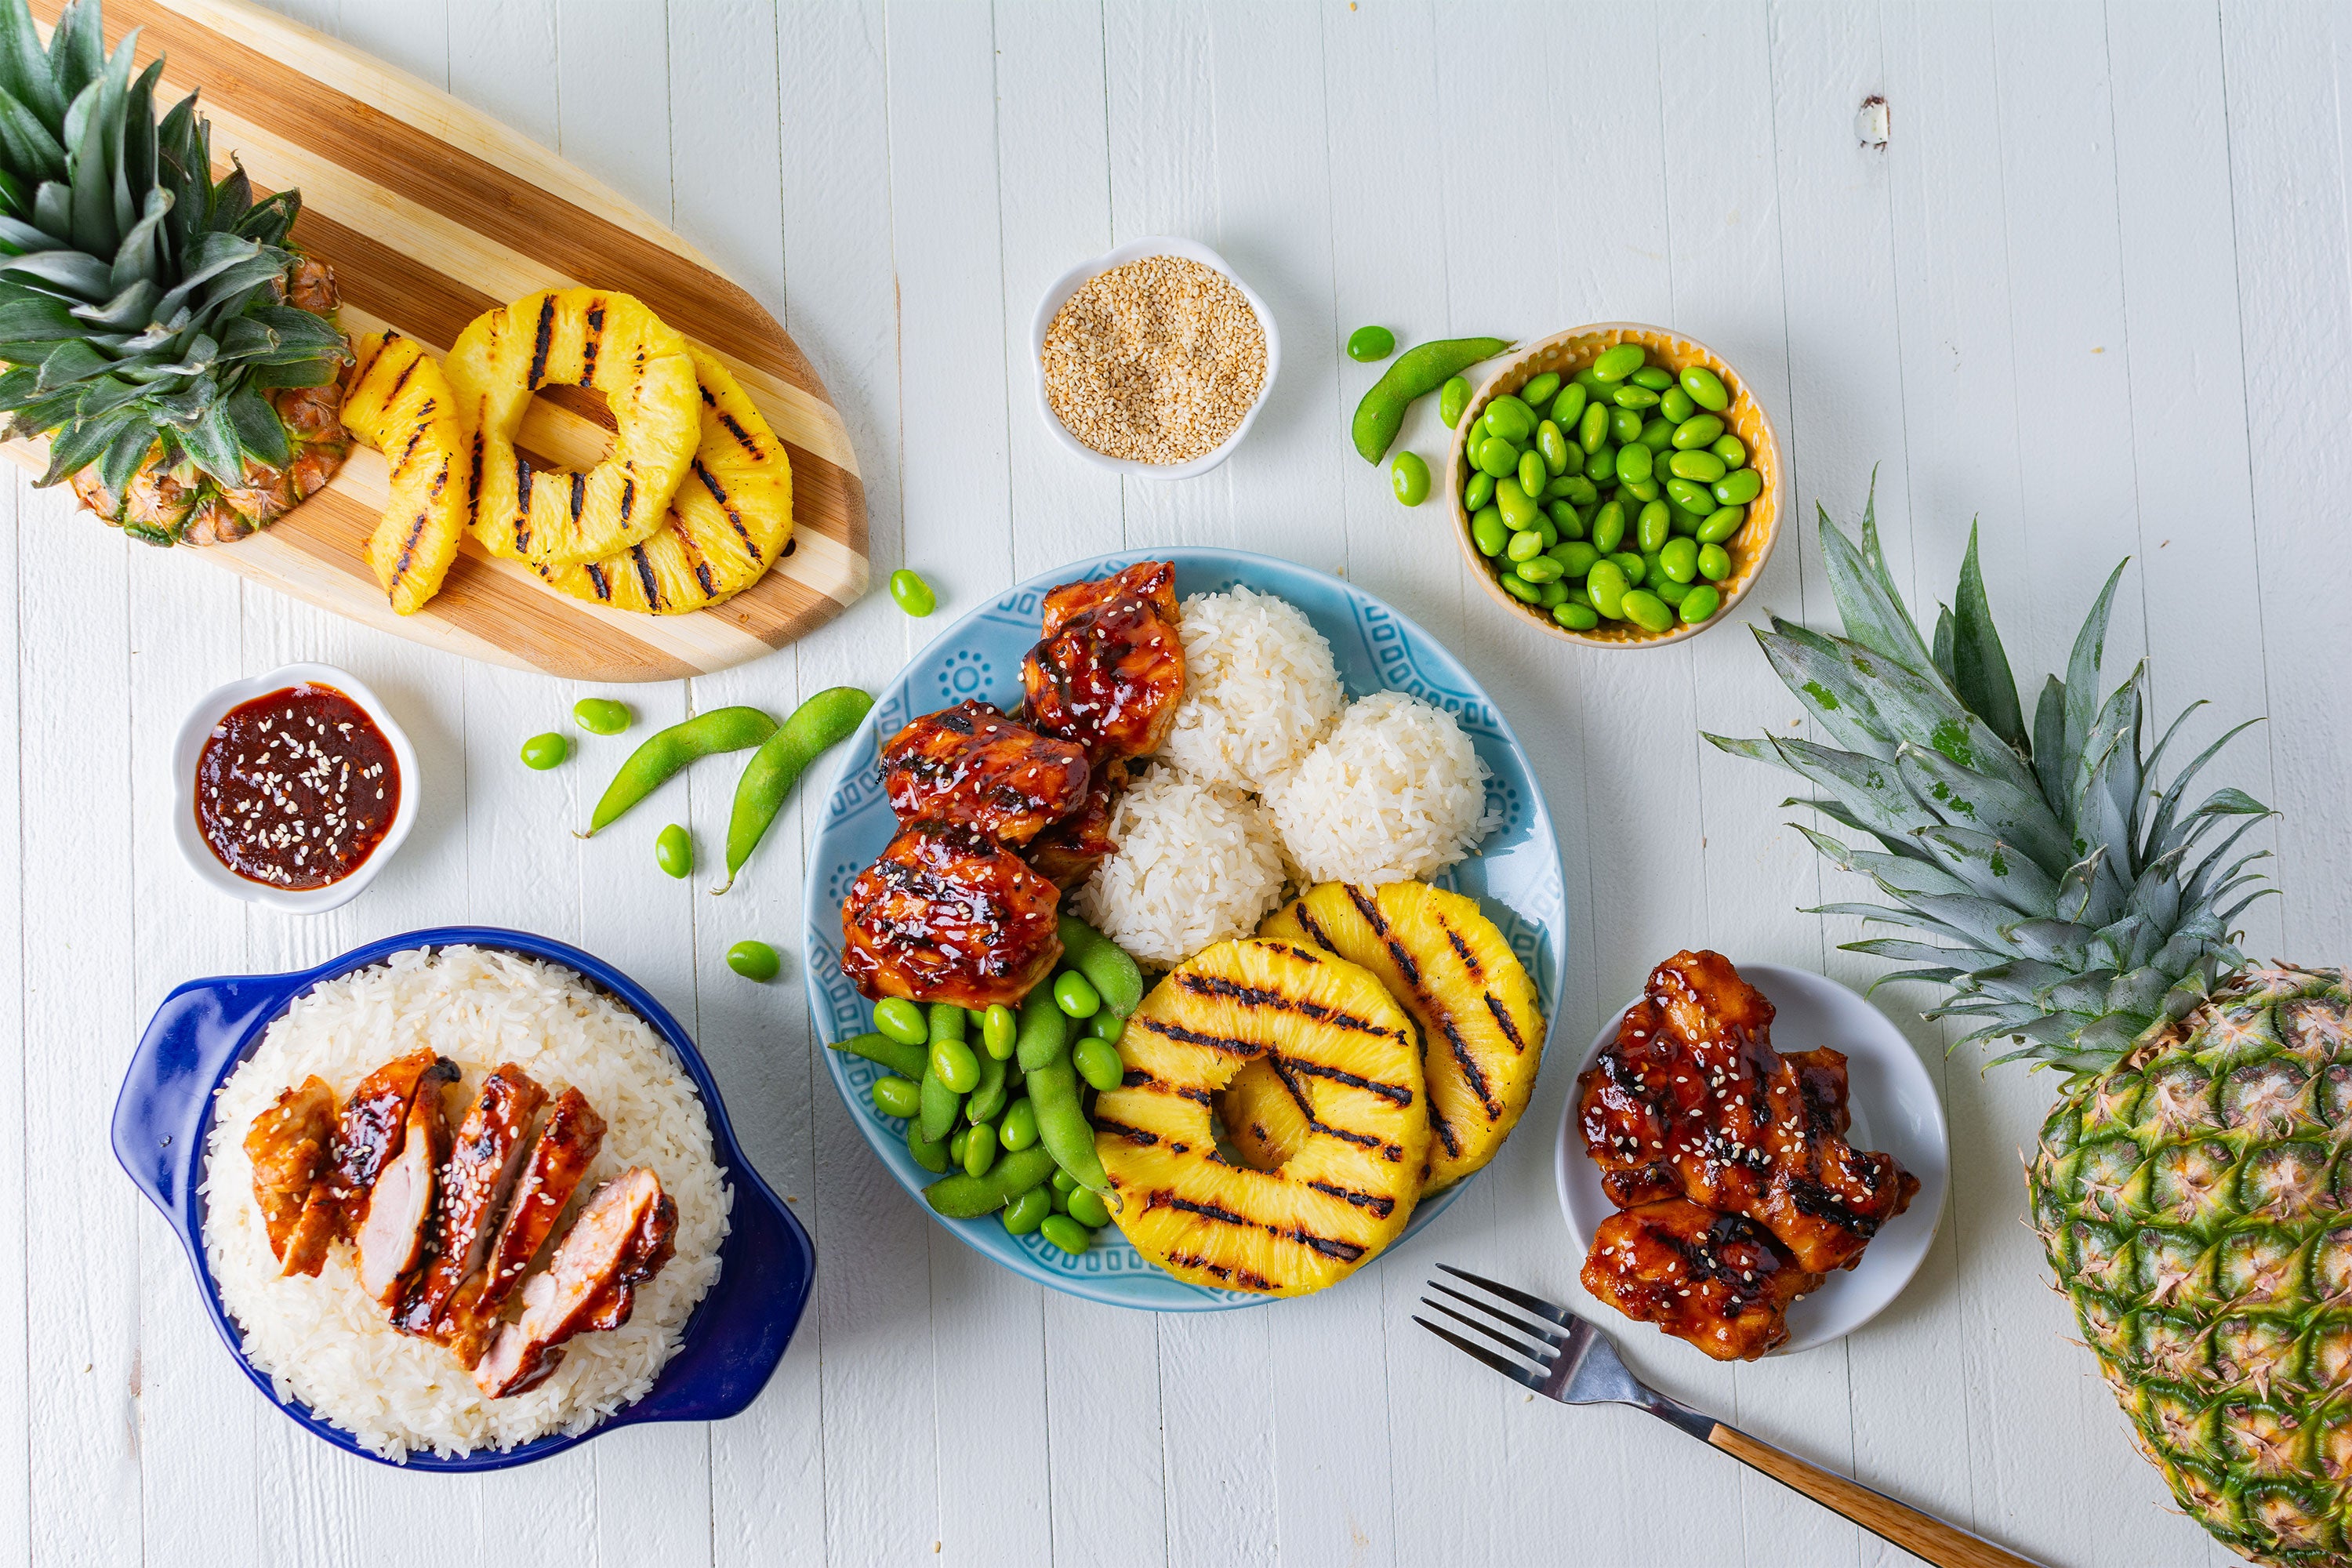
{"x": 1516, "y": 874}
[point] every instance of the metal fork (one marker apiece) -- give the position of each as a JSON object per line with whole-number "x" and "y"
{"x": 1562, "y": 1356}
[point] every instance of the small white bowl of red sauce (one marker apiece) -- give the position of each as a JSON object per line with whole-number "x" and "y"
{"x": 295, "y": 788}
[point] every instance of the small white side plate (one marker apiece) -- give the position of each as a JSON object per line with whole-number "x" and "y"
{"x": 197, "y": 728}
{"x": 1895, "y": 1109}
{"x": 1070, "y": 282}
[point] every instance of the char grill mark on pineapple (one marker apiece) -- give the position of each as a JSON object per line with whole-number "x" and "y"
{"x": 594, "y": 340}
{"x": 1368, "y": 908}
{"x": 1300, "y": 1235}
{"x": 541, "y": 338}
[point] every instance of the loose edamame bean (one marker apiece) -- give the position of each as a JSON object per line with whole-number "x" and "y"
{"x": 1739, "y": 487}
{"x": 667, "y": 751}
{"x": 1701, "y": 466}
{"x": 1714, "y": 562}
{"x": 1489, "y": 533}
{"x": 1601, "y": 466}
{"x": 1700, "y": 604}
{"x": 754, "y": 960}
{"x": 1518, "y": 508}
{"x": 1579, "y": 488}
{"x": 1697, "y": 431}
{"x": 1593, "y": 428}
{"x": 1415, "y": 373}
{"x": 1075, "y": 995}
{"x": 1614, "y": 364}
{"x": 1497, "y": 456}
{"x": 903, "y": 1021}
{"x": 1097, "y": 1062}
{"x": 958, "y": 1068}
{"x": 1537, "y": 391}
{"x": 1631, "y": 398}
{"x": 1624, "y": 426}
{"x": 1565, "y": 523}
{"x": 1019, "y": 1128}
{"x": 1088, "y": 1209}
{"x": 1647, "y": 611}
{"x": 1062, "y": 1182}
{"x": 1025, "y": 1214}
{"x": 1731, "y": 449}
{"x": 1653, "y": 526}
{"x": 1678, "y": 559}
{"x": 1672, "y": 592}
{"x": 1107, "y": 1025}
{"x": 1539, "y": 570}
{"x": 1676, "y": 405}
{"x": 1691, "y": 496}
{"x": 674, "y": 851}
{"x": 1551, "y": 444}
{"x": 1608, "y": 527}
{"x": 1705, "y": 388}
{"x": 1569, "y": 407}
{"x": 1478, "y": 491}
{"x": 1658, "y": 435}
{"x": 1721, "y": 524}
{"x": 817, "y": 725}
{"x": 1657, "y": 378}
{"x": 1575, "y": 557}
{"x": 901, "y": 1057}
{"x": 895, "y": 1096}
{"x": 1511, "y": 420}
{"x": 1452, "y": 399}
{"x": 1519, "y": 588}
{"x": 1635, "y": 463}
{"x": 1606, "y": 585}
{"x": 545, "y": 752}
{"x": 1636, "y": 570}
{"x": 1409, "y": 479}
{"x": 1066, "y": 1234}
{"x": 1525, "y": 545}
{"x": 1366, "y": 344}
{"x": 979, "y": 1150}
{"x": 600, "y": 715}
{"x": 967, "y": 1196}
{"x": 914, "y": 595}
{"x": 998, "y": 1031}
{"x": 1576, "y": 617}
{"x": 1533, "y": 476}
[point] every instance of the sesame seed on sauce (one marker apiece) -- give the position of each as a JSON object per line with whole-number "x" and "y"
{"x": 274, "y": 795}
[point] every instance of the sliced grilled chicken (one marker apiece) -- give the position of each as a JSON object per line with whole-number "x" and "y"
{"x": 399, "y": 1209}
{"x": 621, "y": 1239}
{"x": 566, "y": 1147}
{"x": 374, "y": 1124}
{"x": 492, "y": 1143}
{"x": 291, "y": 1145}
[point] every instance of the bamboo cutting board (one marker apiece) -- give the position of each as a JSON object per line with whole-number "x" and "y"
{"x": 431, "y": 213}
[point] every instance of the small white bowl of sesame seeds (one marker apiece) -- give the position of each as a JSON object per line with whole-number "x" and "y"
{"x": 294, "y": 788}
{"x": 1152, "y": 359}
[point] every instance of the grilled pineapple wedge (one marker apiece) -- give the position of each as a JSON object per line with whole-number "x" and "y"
{"x": 400, "y": 404}
{"x": 1476, "y": 1017}
{"x": 726, "y": 525}
{"x": 1347, "y": 1053}
{"x": 578, "y": 337}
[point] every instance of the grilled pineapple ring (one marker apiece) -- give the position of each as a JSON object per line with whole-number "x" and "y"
{"x": 1474, "y": 1008}
{"x": 1347, "y": 1053}
{"x": 726, "y": 525}
{"x": 399, "y": 403}
{"x": 581, "y": 337}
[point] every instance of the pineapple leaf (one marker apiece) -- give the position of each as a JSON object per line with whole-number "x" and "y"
{"x": 1980, "y": 665}
{"x": 259, "y": 428}
{"x": 2161, "y": 835}
{"x": 25, "y": 72}
{"x": 121, "y": 457}
{"x": 78, "y": 444}
{"x": 77, "y": 49}
{"x": 1864, "y": 590}
{"x": 211, "y": 440}
{"x": 2083, "y": 676}
{"x": 1993, "y": 868}
{"x": 66, "y": 274}
{"x": 2057, "y": 942}
{"x": 1907, "y": 952}
{"x": 1934, "y": 976}
{"x": 2079, "y": 890}
{"x": 2050, "y": 765}
{"x": 31, "y": 150}
{"x": 2006, "y": 810}
{"x": 1807, "y": 665}
{"x": 1870, "y": 789}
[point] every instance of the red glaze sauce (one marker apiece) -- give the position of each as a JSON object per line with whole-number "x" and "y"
{"x": 296, "y": 789}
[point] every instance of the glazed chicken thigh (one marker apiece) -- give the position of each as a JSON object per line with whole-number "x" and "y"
{"x": 948, "y": 915}
{"x": 1107, "y": 676}
{"x": 1715, "y": 1280}
{"x": 1153, "y": 582}
{"x": 292, "y": 1146}
{"x": 973, "y": 766}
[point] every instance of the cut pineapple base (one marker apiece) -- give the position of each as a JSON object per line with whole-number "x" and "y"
{"x": 726, "y": 525}
{"x": 1474, "y": 1009}
{"x": 400, "y": 404}
{"x": 1345, "y": 1050}
{"x": 582, "y": 337}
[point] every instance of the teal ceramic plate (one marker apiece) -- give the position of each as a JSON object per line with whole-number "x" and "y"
{"x": 1516, "y": 873}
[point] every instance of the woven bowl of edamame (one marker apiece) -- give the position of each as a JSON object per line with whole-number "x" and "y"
{"x": 1614, "y": 553}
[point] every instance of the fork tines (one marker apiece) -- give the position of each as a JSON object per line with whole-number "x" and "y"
{"x": 1537, "y": 1342}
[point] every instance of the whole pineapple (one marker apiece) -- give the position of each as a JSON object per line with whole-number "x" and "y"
{"x": 177, "y": 353}
{"x": 2185, "y": 1183}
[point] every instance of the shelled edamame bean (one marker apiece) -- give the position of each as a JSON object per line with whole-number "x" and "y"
{"x": 1610, "y": 496}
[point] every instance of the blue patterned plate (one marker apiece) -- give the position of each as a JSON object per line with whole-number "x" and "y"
{"x": 1515, "y": 875}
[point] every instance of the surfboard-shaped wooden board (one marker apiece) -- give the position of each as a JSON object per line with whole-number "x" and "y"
{"x": 432, "y": 213}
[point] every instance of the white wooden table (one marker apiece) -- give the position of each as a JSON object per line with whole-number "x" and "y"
{"x": 2094, "y": 292}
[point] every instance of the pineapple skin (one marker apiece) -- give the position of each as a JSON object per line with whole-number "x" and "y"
{"x": 2190, "y": 1201}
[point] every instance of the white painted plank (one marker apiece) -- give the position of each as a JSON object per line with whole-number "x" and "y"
{"x": 16, "y": 1383}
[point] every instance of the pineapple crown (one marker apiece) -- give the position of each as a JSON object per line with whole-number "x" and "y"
{"x": 2045, "y": 880}
{"x": 139, "y": 300}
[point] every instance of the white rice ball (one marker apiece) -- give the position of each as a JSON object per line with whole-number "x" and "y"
{"x": 1197, "y": 863}
{"x": 1260, "y": 688}
{"x": 1393, "y": 794}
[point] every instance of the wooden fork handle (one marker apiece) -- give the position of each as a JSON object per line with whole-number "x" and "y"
{"x": 1923, "y": 1535}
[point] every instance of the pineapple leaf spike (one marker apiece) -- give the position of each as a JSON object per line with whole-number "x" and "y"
{"x": 2068, "y": 901}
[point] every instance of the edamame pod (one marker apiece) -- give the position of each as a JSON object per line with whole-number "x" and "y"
{"x": 1062, "y": 1123}
{"x": 1116, "y": 977}
{"x": 986, "y": 1102}
{"x": 928, "y": 1153}
{"x": 1414, "y": 373}
{"x": 940, "y": 1106}
{"x": 968, "y": 1196}
{"x": 665, "y": 752}
{"x": 907, "y": 1061}
{"x": 824, "y": 720}
{"x": 1044, "y": 1035}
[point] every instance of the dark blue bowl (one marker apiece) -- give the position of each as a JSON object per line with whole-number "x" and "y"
{"x": 734, "y": 1338}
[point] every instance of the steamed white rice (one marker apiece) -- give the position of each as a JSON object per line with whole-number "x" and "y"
{"x": 1197, "y": 863}
{"x": 322, "y": 1341}
{"x": 1260, "y": 689}
{"x": 1394, "y": 793}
